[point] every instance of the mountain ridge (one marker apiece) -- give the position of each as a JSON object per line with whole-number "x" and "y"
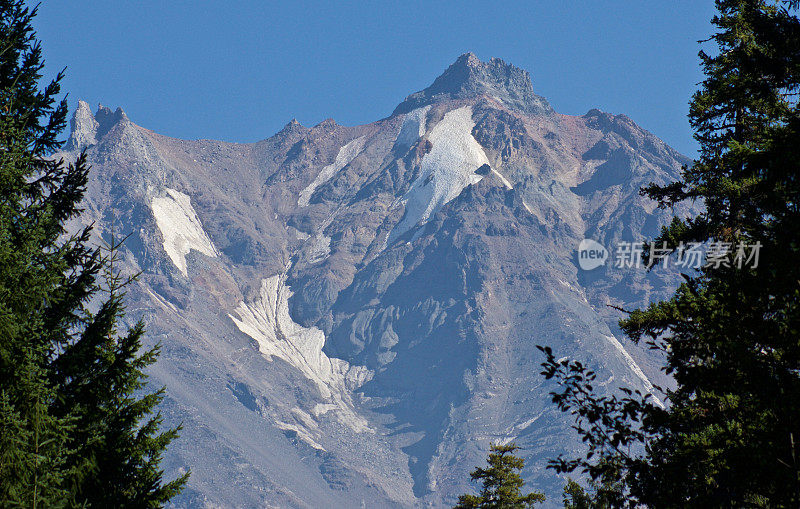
{"x": 468, "y": 77}
{"x": 396, "y": 274}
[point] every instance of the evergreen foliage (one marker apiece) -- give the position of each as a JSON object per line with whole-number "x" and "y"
{"x": 731, "y": 333}
{"x": 575, "y": 497}
{"x": 74, "y": 427}
{"x": 501, "y": 483}
{"x": 603, "y": 495}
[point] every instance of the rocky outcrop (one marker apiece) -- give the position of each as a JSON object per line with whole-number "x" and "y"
{"x": 350, "y": 314}
{"x": 468, "y": 78}
{"x": 83, "y": 128}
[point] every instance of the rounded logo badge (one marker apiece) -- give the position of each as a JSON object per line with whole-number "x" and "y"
{"x": 591, "y": 254}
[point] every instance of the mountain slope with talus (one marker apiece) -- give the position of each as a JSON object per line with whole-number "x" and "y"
{"x": 349, "y": 314}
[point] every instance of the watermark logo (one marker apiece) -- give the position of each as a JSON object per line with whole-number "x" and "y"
{"x": 591, "y": 254}
{"x": 691, "y": 255}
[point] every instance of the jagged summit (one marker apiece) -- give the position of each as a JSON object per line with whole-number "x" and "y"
{"x": 316, "y": 289}
{"x": 469, "y": 77}
{"x": 87, "y": 129}
{"x": 292, "y": 127}
{"x": 328, "y": 123}
{"x": 83, "y": 128}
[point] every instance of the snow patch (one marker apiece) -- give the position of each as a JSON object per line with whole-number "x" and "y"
{"x": 635, "y": 368}
{"x": 322, "y": 409}
{"x": 302, "y": 433}
{"x": 343, "y": 158}
{"x": 503, "y": 440}
{"x": 413, "y": 127}
{"x": 445, "y": 171}
{"x": 300, "y": 235}
{"x": 267, "y": 320}
{"x": 161, "y": 300}
{"x": 512, "y": 433}
{"x": 503, "y": 179}
{"x": 527, "y": 207}
{"x": 319, "y": 248}
{"x": 180, "y": 227}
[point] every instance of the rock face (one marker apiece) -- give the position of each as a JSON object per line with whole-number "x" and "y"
{"x": 349, "y": 314}
{"x": 468, "y": 77}
{"x": 83, "y": 128}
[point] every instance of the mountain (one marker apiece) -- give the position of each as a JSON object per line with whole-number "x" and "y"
{"x": 349, "y": 314}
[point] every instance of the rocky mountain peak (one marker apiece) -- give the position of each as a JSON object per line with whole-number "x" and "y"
{"x": 470, "y": 77}
{"x": 87, "y": 129}
{"x": 294, "y": 126}
{"x": 108, "y": 119}
{"x": 83, "y": 132}
{"x": 358, "y": 274}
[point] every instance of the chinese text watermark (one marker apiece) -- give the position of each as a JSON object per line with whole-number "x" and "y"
{"x": 690, "y": 255}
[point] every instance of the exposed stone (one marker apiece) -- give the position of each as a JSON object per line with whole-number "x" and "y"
{"x": 319, "y": 355}
{"x": 468, "y": 78}
{"x": 83, "y": 128}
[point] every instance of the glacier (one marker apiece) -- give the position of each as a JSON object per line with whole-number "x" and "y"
{"x": 267, "y": 321}
{"x": 180, "y": 227}
{"x": 445, "y": 171}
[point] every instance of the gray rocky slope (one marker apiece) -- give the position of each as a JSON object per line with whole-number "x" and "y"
{"x": 349, "y": 314}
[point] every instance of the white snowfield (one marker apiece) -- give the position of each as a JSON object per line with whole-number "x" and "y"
{"x": 303, "y": 425}
{"x": 503, "y": 179}
{"x": 304, "y": 435}
{"x": 413, "y": 127}
{"x": 635, "y": 368}
{"x": 180, "y": 227}
{"x": 445, "y": 171}
{"x": 343, "y": 158}
{"x": 320, "y": 248}
{"x": 267, "y": 320}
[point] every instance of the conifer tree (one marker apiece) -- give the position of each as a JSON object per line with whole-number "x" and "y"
{"x": 102, "y": 375}
{"x": 731, "y": 333}
{"x": 604, "y": 495}
{"x": 575, "y": 496}
{"x": 501, "y": 483}
{"x": 74, "y": 429}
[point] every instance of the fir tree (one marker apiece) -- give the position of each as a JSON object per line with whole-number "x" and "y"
{"x": 102, "y": 374}
{"x": 501, "y": 483}
{"x": 575, "y": 497}
{"x": 731, "y": 333}
{"x": 602, "y": 495}
{"x": 73, "y": 430}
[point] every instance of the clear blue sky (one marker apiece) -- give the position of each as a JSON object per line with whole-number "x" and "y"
{"x": 238, "y": 71}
